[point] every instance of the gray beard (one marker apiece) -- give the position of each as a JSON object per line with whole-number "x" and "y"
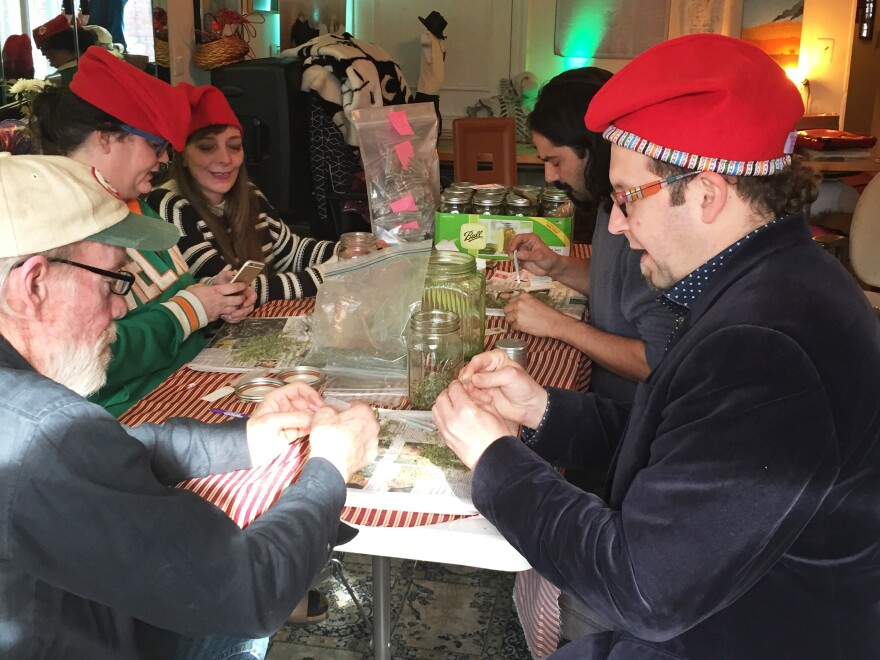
{"x": 80, "y": 367}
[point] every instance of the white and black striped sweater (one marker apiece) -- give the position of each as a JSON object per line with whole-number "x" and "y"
{"x": 293, "y": 258}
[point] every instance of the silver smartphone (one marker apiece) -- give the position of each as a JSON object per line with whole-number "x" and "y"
{"x": 248, "y": 271}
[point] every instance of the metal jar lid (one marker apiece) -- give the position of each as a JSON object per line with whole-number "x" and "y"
{"x": 488, "y": 201}
{"x": 517, "y": 201}
{"x": 456, "y": 196}
{"x": 525, "y": 189}
{"x": 554, "y": 194}
{"x": 302, "y": 374}
{"x": 254, "y": 389}
{"x": 516, "y": 349}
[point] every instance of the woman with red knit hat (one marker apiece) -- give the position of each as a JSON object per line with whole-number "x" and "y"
{"x": 223, "y": 219}
{"x": 125, "y": 134}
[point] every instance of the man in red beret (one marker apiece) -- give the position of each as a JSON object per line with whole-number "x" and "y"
{"x": 62, "y": 46}
{"x": 742, "y": 514}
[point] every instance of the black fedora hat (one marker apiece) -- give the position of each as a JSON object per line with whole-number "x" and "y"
{"x": 435, "y": 23}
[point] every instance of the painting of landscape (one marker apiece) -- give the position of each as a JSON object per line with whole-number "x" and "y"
{"x": 775, "y": 27}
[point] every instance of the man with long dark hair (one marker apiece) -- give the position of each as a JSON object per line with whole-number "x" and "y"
{"x": 628, "y": 328}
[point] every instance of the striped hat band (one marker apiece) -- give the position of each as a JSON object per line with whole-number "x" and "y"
{"x": 692, "y": 161}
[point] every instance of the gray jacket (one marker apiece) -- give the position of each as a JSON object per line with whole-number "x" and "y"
{"x": 99, "y": 556}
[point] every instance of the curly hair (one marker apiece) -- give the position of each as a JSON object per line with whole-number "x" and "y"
{"x": 559, "y": 117}
{"x": 783, "y": 193}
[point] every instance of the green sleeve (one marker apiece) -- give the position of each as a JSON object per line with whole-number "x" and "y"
{"x": 152, "y": 341}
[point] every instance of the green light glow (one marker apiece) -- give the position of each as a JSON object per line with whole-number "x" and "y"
{"x": 584, "y": 30}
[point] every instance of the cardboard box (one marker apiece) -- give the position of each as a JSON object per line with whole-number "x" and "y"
{"x": 486, "y": 236}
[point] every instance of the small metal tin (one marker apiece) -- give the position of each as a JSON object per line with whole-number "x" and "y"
{"x": 516, "y": 349}
{"x": 302, "y": 374}
{"x": 254, "y": 389}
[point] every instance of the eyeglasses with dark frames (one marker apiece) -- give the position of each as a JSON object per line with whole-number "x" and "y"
{"x": 622, "y": 197}
{"x": 159, "y": 145}
{"x": 121, "y": 280}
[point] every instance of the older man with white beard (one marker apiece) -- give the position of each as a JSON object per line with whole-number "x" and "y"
{"x": 99, "y": 557}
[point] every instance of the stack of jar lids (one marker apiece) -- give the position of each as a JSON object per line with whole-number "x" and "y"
{"x": 308, "y": 375}
{"x": 253, "y": 389}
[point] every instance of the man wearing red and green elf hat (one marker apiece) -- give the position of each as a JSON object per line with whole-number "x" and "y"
{"x": 742, "y": 514}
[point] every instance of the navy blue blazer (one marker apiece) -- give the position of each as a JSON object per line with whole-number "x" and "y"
{"x": 743, "y": 513}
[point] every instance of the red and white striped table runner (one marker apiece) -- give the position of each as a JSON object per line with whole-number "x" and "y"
{"x": 245, "y": 494}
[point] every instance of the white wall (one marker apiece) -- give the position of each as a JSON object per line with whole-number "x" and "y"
{"x": 478, "y": 44}
{"x": 181, "y": 44}
{"x": 823, "y": 20}
{"x": 531, "y": 44}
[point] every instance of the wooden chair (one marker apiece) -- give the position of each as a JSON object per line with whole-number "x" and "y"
{"x": 484, "y": 150}
{"x": 864, "y": 240}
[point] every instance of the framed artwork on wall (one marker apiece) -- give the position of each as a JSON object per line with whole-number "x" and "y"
{"x": 702, "y": 16}
{"x": 775, "y": 27}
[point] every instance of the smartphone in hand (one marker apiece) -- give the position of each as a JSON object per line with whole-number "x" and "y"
{"x": 248, "y": 271}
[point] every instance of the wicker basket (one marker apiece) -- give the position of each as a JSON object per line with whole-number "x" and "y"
{"x": 220, "y": 52}
{"x": 162, "y": 56}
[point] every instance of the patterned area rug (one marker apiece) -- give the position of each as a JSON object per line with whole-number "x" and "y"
{"x": 438, "y": 612}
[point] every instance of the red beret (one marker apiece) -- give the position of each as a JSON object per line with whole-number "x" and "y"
{"x": 704, "y": 102}
{"x": 18, "y": 59}
{"x": 209, "y": 107}
{"x": 49, "y": 29}
{"x": 132, "y": 96}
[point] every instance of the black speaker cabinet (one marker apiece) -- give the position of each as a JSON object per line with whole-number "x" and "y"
{"x": 265, "y": 96}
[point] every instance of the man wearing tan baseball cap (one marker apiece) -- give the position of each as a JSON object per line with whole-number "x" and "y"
{"x": 101, "y": 558}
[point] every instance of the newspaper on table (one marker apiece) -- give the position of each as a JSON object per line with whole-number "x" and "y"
{"x": 414, "y": 470}
{"x": 555, "y": 294}
{"x": 256, "y": 343}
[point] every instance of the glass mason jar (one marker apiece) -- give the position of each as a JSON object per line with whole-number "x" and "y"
{"x": 488, "y": 205}
{"x": 532, "y": 192}
{"x": 521, "y": 205}
{"x": 508, "y": 235}
{"x": 356, "y": 244}
{"x": 455, "y": 201}
{"x": 554, "y": 203}
{"x": 433, "y": 355}
{"x": 454, "y": 284}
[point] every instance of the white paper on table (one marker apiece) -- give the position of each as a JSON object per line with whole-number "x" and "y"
{"x": 414, "y": 471}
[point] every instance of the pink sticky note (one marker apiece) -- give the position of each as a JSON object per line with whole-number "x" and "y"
{"x": 404, "y": 153}
{"x": 400, "y": 122}
{"x": 404, "y": 204}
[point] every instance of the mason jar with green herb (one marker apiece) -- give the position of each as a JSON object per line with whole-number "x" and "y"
{"x": 433, "y": 355}
{"x": 454, "y": 284}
